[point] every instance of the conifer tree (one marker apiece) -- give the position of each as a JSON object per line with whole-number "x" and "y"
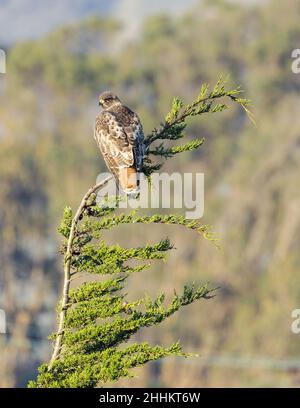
{"x": 95, "y": 319}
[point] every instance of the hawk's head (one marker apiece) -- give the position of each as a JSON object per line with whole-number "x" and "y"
{"x": 107, "y": 99}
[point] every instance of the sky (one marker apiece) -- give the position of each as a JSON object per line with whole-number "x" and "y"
{"x": 25, "y": 19}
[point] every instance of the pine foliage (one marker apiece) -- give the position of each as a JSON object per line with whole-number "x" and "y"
{"x": 96, "y": 317}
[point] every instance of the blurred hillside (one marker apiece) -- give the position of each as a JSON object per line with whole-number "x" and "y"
{"x": 48, "y": 159}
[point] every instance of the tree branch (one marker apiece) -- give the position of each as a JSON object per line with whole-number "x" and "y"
{"x": 67, "y": 269}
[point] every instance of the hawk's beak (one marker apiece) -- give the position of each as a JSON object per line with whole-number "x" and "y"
{"x": 101, "y": 102}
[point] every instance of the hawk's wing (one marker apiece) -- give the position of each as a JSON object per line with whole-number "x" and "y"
{"x": 113, "y": 142}
{"x": 135, "y": 136}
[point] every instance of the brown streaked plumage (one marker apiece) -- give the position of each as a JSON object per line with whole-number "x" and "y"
{"x": 119, "y": 136}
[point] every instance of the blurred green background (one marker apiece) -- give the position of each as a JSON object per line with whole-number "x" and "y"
{"x": 48, "y": 159}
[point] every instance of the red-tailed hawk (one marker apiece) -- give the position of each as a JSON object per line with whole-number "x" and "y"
{"x": 119, "y": 135}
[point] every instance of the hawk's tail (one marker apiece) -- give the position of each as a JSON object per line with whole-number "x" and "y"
{"x": 129, "y": 181}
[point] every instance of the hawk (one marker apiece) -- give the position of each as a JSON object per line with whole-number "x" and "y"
{"x": 120, "y": 138}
